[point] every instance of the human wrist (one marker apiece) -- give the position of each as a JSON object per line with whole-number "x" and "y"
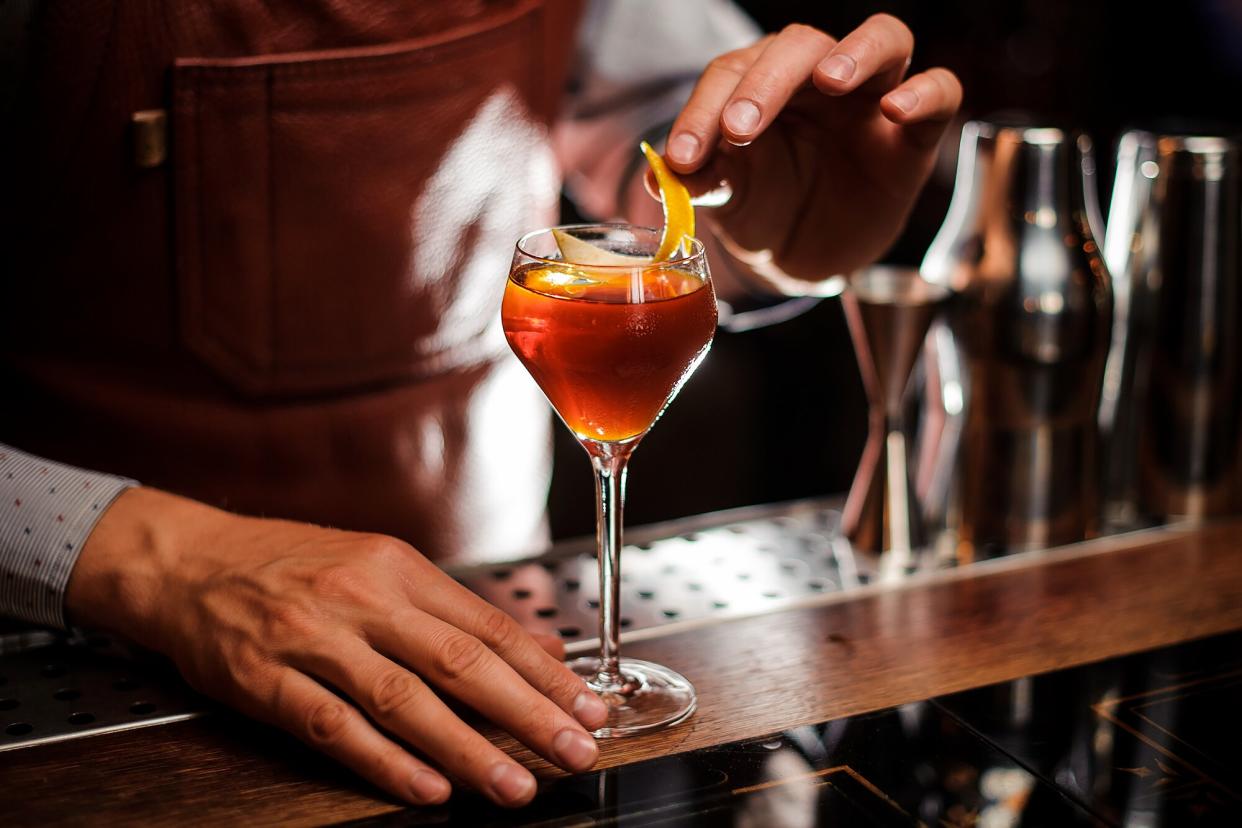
{"x": 128, "y": 562}
{"x": 756, "y": 276}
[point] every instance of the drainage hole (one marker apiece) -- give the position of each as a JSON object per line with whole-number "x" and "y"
{"x": 691, "y": 536}
{"x": 625, "y": 622}
{"x": 18, "y": 729}
{"x": 52, "y": 671}
{"x": 141, "y": 708}
{"x": 569, "y": 632}
{"x": 546, "y": 612}
{"x": 572, "y": 583}
{"x": 501, "y": 574}
{"x": 669, "y": 569}
{"x": 771, "y": 595}
{"x": 646, "y": 594}
{"x": 521, "y": 594}
{"x": 817, "y": 585}
{"x": 67, "y": 694}
{"x": 671, "y": 613}
{"x": 81, "y": 718}
{"x": 592, "y": 603}
{"x": 720, "y": 604}
{"x": 743, "y": 576}
{"x": 9, "y": 704}
{"x": 694, "y": 586}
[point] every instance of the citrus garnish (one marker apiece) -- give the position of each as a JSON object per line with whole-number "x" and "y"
{"x": 588, "y": 264}
{"x": 576, "y": 251}
{"x": 678, "y": 211}
{"x": 678, "y": 224}
{"x": 649, "y": 284}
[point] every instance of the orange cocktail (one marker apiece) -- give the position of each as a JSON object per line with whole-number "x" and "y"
{"x": 608, "y": 364}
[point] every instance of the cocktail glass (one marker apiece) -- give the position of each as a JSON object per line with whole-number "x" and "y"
{"x": 611, "y": 345}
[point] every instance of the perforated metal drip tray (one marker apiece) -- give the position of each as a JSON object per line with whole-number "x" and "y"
{"x": 697, "y": 569}
{"x": 53, "y": 688}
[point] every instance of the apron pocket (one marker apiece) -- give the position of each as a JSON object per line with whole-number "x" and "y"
{"x": 321, "y": 240}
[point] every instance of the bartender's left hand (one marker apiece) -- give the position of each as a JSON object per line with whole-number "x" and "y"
{"x": 825, "y": 143}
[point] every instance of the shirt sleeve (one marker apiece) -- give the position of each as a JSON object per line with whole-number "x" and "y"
{"x": 47, "y": 511}
{"x": 636, "y": 63}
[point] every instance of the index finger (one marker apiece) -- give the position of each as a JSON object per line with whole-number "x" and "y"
{"x": 456, "y": 605}
{"x": 697, "y": 128}
{"x": 780, "y": 70}
{"x": 463, "y": 667}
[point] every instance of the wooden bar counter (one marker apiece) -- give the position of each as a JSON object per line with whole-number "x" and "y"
{"x": 843, "y": 655}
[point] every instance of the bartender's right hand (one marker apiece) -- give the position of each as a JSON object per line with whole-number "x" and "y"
{"x": 272, "y": 616}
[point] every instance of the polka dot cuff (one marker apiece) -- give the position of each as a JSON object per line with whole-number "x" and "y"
{"x": 47, "y": 511}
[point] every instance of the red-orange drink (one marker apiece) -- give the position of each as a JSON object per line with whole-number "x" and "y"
{"x": 609, "y": 351}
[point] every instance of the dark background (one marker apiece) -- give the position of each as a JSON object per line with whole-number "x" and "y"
{"x": 777, "y": 414}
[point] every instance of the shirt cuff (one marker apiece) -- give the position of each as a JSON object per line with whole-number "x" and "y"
{"x": 47, "y": 511}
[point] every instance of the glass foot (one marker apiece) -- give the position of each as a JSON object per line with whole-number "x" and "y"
{"x": 653, "y": 696}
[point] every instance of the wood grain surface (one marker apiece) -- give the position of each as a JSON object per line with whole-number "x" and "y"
{"x": 755, "y": 676}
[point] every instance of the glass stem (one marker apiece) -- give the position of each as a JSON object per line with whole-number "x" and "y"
{"x": 609, "y": 461}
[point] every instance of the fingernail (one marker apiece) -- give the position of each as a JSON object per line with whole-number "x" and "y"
{"x": 428, "y": 787}
{"x": 840, "y": 67}
{"x": 683, "y": 147}
{"x": 741, "y": 117}
{"x": 575, "y": 749}
{"x": 511, "y": 784}
{"x": 904, "y": 99}
{"x": 590, "y": 710}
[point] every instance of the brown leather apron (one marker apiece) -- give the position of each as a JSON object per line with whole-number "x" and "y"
{"x": 296, "y": 314}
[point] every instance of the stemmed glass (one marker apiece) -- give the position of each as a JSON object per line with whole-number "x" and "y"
{"x": 611, "y": 344}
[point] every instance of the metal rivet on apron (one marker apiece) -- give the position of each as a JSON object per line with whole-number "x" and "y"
{"x": 150, "y": 136}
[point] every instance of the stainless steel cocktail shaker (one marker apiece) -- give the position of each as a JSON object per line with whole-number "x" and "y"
{"x": 1171, "y": 412}
{"x": 1029, "y": 336}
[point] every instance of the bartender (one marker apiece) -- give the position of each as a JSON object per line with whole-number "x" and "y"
{"x": 253, "y": 255}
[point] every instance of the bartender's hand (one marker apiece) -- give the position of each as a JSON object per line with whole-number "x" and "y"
{"x": 271, "y": 617}
{"x": 825, "y": 144}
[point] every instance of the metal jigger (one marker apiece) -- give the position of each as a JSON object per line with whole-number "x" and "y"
{"x": 889, "y": 310}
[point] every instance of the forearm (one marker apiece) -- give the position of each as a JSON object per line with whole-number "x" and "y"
{"x": 47, "y": 513}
